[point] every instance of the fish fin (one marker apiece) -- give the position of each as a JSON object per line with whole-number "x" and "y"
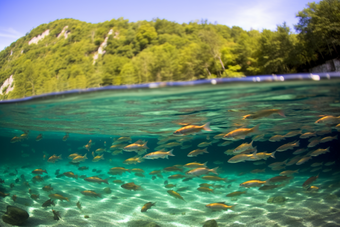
{"x": 170, "y": 153}
{"x": 60, "y": 157}
{"x": 206, "y": 126}
{"x": 106, "y": 181}
{"x": 233, "y": 207}
{"x": 214, "y": 170}
{"x": 67, "y": 199}
{"x": 205, "y": 150}
{"x": 144, "y": 145}
{"x": 85, "y": 156}
{"x": 205, "y": 164}
{"x": 281, "y": 113}
{"x": 256, "y": 129}
{"x": 273, "y": 154}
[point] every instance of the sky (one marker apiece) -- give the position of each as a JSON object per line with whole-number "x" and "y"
{"x": 18, "y": 17}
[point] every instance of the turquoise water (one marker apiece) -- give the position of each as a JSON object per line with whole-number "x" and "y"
{"x": 153, "y": 115}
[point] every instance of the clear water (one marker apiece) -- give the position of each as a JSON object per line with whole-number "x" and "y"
{"x": 154, "y": 114}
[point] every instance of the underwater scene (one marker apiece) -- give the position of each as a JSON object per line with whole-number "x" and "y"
{"x": 258, "y": 151}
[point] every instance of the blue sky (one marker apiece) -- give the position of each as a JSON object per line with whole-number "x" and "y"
{"x": 19, "y": 17}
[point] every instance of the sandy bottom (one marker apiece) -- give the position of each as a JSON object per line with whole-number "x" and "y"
{"x": 123, "y": 208}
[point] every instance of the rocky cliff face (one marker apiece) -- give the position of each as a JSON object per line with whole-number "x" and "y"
{"x": 101, "y": 50}
{"x": 8, "y": 85}
{"x": 330, "y": 66}
{"x": 36, "y": 39}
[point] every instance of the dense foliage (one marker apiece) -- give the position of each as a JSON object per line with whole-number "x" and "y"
{"x": 161, "y": 50}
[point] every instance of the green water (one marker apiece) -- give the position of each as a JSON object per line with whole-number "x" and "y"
{"x": 155, "y": 114}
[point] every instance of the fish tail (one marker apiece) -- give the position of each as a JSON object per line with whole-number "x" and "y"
{"x": 256, "y": 129}
{"x": 280, "y": 112}
{"x": 233, "y": 207}
{"x": 205, "y": 164}
{"x": 206, "y": 126}
{"x": 60, "y": 157}
{"x": 298, "y": 143}
{"x": 67, "y": 199}
{"x": 85, "y": 156}
{"x": 144, "y": 145}
{"x": 170, "y": 153}
{"x": 214, "y": 170}
{"x": 45, "y": 171}
{"x": 273, "y": 154}
{"x": 205, "y": 150}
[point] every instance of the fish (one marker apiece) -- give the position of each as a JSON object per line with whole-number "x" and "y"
{"x": 300, "y": 151}
{"x": 39, "y": 171}
{"x": 277, "y": 179}
{"x": 241, "y": 133}
{"x": 288, "y": 146}
{"x": 79, "y": 158}
{"x": 316, "y": 164}
{"x": 310, "y": 180}
{"x": 277, "y": 138}
{"x": 214, "y": 178}
{"x": 170, "y": 186}
{"x": 314, "y": 142}
{"x": 193, "y": 165}
{"x": 137, "y": 170}
{"x": 175, "y": 194}
{"x": 47, "y": 188}
{"x": 159, "y": 154}
{"x": 39, "y": 137}
{"x": 268, "y": 187}
{"x": 292, "y": 134}
{"x": 205, "y": 189}
{"x": 66, "y": 136}
{"x": 243, "y": 157}
{"x": 288, "y": 172}
{"x": 70, "y": 174}
{"x": 56, "y": 215}
{"x": 83, "y": 168}
{"x": 15, "y": 139}
{"x": 54, "y": 158}
{"x": 264, "y": 113}
{"x": 312, "y": 189}
{"x": 196, "y": 152}
{"x": 98, "y": 158}
{"x": 303, "y": 160}
{"x": 177, "y": 176}
{"x": 258, "y": 170}
{"x": 219, "y": 206}
{"x": 91, "y": 193}
{"x": 319, "y": 152}
{"x": 131, "y": 186}
{"x": 204, "y": 144}
{"x": 14, "y": 198}
{"x": 96, "y": 180}
{"x": 237, "y": 193}
{"x": 118, "y": 181}
{"x": 48, "y": 203}
{"x": 329, "y": 163}
{"x": 147, "y": 206}
{"x": 252, "y": 183}
{"x": 328, "y": 138}
{"x": 243, "y": 147}
{"x": 183, "y": 189}
{"x": 201, "y": 171}
{"x": 328, "y": 120}
{"x": 172, "y": 169}
{"x": 58, "y": 196}
{"x": 37, "y": 178}
{"x": 133, "y": 160}
{"x": 79, "y": 205}
{"x": 307, "y": 135}
{"x": 192, "y": 129}
{"x": 3, "y": 194}
{"x": 100, "y": 150}
{"x": 135, "y": 147}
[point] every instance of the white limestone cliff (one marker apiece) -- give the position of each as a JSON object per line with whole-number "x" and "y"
{"x": 101, "y": 50}
{"x": 64, "y": 32}
{"x": 36, "y": 39}
{"x": 8, "y": 83}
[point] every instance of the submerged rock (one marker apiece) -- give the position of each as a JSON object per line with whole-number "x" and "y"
{"x": 276, "y": 199}
{"x": 210, "y": 223}
{"x": 142, "y": 223}
{"x": 15, "y": 215}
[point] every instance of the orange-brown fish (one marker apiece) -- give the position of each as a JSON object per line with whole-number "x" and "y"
{"x": 175, "y": 194}
{"x": 303, "y": 160}
{"x": 193, "y": 165}
{"x": 288, "y": 146}
{"x": 70, "y": 174}
{"x": 310, "y": 180}
{"x": 39, "y": 137}
{"x": 133, "y": 160}
{"x": 147, "y": 206}
{"x": 118, "y": 170}
{"x": 219, "y": 206}
{"x": 252, "y": 183}
{"x": 264, "y": 113}
{"x": 159, "y": 154}
{"x": 37, "y": 178}
{"x": 96, "y": 180}
{"x": 258, "y": 170}
{"x": 3, "y": 194}
{"x": 319, "y": 152}
{"x": 202, "y": 171}
{"x": 177, "y": 176}
{"x": 91, "y": 193}
{"x": 288, "y": 172}
{"x": 277, "y": 179}
{"x": 241, "y": 133}
{"x": 328, "y": 120}
{"x": 237, "y": 193}
{"x": 136, "y": 147}
{"x": 15, "y": 139}
{"x": 47, "y": 188}
{"x": 192, "y": 129}
{"x": 97, "y": 158}
{"x": 214, "y": 178}
{"x": 205, "y": 189}
{"x": 65, "y": 137}
{"x": 196, "y": 152}
{"x": 131, "y": 186}
{"x": 277, "y": 138}
{"x": 39, "y": 171}
{"x": 54, "y": 158}
{"x": 58, "y": 196}
{"x": 79, "y": 158}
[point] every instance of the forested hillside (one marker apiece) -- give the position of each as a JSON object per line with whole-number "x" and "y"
{"x": 67, "y": 54}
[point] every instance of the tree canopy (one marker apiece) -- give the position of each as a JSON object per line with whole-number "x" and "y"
{"x": 160, "y": 50}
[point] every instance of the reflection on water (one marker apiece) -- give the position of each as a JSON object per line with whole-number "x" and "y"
{"x": 296, "y": 144}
